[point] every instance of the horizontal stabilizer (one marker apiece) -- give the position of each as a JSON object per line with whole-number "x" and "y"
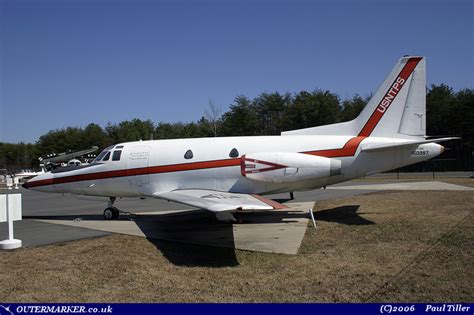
{"x": 382, "y": 147}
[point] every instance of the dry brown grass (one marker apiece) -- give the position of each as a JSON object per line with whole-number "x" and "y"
{"x": 459, "y": 181}
{"x": 398, "y": 246}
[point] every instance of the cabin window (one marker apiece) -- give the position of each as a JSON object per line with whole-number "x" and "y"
{"x": 119, "y": 147}
{"x": 106, "y": 157}
{"x": 234, "y": 153}
{"x": 116, "y": 155}
{"x": 188, "y": 155}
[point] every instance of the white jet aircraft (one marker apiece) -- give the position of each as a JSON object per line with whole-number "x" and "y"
{"x": 230, "y": 174}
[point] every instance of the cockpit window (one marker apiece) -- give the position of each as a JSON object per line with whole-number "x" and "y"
{"x": 106, "y": 157}
{"x": 116, "y": 155}
{"x": 102, "y": 154}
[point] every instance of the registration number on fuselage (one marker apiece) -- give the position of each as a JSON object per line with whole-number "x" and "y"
{"x": 420, "y": 152}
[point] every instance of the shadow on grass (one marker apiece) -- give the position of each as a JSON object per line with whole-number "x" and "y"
{"x": 190, "y": 255}
{"x": 345, "y": 215}
{"x": 191, "y": 238}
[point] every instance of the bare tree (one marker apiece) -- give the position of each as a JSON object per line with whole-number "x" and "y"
{"x": 213, "y": 115}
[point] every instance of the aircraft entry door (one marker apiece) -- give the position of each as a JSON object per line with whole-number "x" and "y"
{"x": 137, "y": 165}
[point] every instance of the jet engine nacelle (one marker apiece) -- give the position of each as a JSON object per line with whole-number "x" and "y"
{"x": 285, "y": 167}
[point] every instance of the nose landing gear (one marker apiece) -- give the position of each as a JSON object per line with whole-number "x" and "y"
{"x": 111, "y": 212}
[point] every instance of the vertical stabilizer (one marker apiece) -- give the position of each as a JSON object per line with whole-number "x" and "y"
{"x": 396, "y": 110}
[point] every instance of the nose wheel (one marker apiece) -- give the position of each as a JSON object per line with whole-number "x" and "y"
{"x": 111, "y": 213}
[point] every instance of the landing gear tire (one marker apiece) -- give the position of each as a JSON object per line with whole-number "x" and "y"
{"x": 111, "y": 213}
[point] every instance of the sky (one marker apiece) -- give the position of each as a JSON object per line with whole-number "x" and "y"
{"x": 70, "y": 63}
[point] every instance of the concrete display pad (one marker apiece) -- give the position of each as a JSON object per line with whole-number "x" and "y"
{"x": 280, "y": 231}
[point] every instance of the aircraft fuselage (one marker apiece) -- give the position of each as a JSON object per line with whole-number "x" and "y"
{"x": 147, "y": 167}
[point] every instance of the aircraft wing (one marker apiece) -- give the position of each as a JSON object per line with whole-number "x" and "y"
{"x": 403, "y": 144}
{"x": 218, "y": 201}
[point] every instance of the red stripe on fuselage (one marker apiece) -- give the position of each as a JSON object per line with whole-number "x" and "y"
{"x": 349, "y": 149}
{"x": 137, "y": 171}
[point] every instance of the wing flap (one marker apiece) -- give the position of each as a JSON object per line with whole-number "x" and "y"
{"x": 218, "y": 201}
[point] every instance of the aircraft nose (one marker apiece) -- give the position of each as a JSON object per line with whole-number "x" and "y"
{"x": 43, "y": 182}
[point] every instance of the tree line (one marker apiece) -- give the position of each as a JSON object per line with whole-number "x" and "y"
{"x": 448, "y": 113}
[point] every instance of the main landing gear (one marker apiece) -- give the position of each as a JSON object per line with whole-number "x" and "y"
{"x": 111, "y": 212}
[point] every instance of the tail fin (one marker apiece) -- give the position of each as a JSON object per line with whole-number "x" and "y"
{"x": 397, "y": 109}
